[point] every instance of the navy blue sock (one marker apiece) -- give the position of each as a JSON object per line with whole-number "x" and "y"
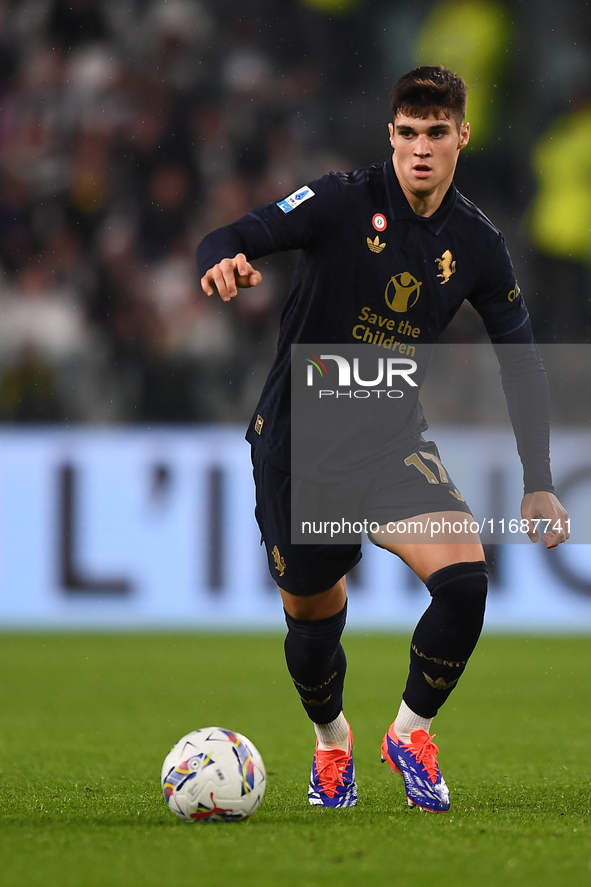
{"x": 317, "y": 664}
{"x": 446, "y": 635}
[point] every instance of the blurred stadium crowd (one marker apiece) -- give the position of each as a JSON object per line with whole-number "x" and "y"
{"x": 129, "y": 130}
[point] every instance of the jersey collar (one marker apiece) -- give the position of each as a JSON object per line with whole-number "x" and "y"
{"x": 400, "y": 207}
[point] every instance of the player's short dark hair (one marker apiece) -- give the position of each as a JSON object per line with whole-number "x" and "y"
{"x": 430, "y": 89}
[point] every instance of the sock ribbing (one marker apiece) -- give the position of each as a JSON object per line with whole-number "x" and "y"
{"x": 333, "y": 735}
{"x": 407, "y": 721}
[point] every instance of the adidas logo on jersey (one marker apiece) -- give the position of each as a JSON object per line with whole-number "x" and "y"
{"x": 375, "y": 245}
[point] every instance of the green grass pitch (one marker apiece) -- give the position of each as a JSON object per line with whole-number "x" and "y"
{"x": 86, "y": 721}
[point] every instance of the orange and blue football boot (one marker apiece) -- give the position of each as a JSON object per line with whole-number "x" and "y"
{"x": 416, "y": 762}
{"x": 332, "y": 781}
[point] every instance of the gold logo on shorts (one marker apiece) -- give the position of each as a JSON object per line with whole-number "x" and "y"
{"x": 446, "y": 265}
{"x": 258, "y": 425}
{"x": 279, "y": 561}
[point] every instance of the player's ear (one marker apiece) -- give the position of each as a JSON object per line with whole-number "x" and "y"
{"x": 391, "y": 131}
{"x": 464, "y": 135}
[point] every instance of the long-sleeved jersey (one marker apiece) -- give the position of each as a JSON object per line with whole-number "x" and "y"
{"x": 372, "y": 271}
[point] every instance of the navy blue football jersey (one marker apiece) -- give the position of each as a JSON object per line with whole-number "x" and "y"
{"x": 371, "y": 271}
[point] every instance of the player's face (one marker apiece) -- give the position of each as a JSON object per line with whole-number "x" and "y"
{"x": 426, "y": 151}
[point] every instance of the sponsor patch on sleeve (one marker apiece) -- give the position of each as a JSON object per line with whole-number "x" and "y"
{"x": 295, "y": 199}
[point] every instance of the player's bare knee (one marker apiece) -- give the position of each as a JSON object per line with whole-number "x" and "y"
{"x": 322, "y": 605}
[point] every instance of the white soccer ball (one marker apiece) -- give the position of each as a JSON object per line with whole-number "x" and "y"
{"x": 213, "y": 775}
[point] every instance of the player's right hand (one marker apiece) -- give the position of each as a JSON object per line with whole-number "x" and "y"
{"x": 228, "y": 275}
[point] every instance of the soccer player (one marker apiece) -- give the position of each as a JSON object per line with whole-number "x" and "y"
{"x": 393, "y": 242}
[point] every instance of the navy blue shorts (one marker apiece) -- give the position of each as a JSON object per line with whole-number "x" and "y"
{"x": 413, "y": 482}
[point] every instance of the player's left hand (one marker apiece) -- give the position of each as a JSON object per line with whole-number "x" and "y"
{"x": 549, "y": 513}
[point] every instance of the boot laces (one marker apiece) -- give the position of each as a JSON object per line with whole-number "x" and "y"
{"x": 425, "y": 752}
{"x": 330, "y": 764}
